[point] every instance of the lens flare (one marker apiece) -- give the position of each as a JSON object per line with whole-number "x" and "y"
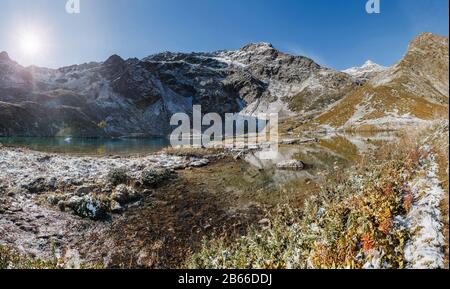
{"x": 31, "y": 43}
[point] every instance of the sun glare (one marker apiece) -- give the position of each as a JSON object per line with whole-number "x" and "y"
{"x": 31, "y": 44}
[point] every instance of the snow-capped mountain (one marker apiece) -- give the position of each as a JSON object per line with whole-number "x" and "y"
{"x": 415, "y": 90}
{"x": 135, "y": 97}
{"x": 366, "y": 72}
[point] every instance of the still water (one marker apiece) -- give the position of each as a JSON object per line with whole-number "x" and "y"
{"x": 79, "y": 146}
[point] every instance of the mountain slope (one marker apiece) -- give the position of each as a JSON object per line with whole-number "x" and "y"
{"x": 135, "y": 97}
{"x": 415, "y": 90}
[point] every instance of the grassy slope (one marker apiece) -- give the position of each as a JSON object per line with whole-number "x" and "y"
{"x": 381, "y": 100}
{"x": 348, "y": 224}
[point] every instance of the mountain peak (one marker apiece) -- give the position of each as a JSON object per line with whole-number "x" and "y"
{"x": 259, "y": 46}
{"x": 114, "y": 60}
{"x": 369, "y": 63}
{"x": 366, "y": 71}
{"x": 4, "y": 56}
{"x": 427, "y": 40}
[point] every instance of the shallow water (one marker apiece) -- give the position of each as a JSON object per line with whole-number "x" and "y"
{"x": 331, "y": 154}
{"x": 79, "y": 146}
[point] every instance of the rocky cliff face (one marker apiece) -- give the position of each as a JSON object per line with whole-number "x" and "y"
{"x": 137, "y": 97}
{"x": 415, "y": 90}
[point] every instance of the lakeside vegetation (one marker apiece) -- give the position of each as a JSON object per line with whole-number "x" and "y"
{"x": 354, "y": 222}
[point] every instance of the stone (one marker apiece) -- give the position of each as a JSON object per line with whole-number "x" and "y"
{"x": 291, "y": 165}
{"x": 153, "y": 176}
{"x": 92, "y": 207}
{"x": 53, "y": 200}
{"x": 199, "y": 163}
{"x": 84, "y": 190}
{"x": 116, "y": 208}
{"x": 118, "y": 176}
{"x": 124, "y": 194}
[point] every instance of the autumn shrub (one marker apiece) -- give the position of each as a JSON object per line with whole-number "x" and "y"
{"x": 356, "y": 221}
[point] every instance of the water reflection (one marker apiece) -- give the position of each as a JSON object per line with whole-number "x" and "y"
{"x": 330, "y": 153}
{"x": 99, "y": 147}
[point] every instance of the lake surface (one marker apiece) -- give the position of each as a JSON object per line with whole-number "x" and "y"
{"x": 98, "y": 147}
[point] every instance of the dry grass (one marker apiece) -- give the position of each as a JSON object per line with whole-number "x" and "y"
{"x": 343, "y": 225}
{"x": 351, "y": 216}
{"x": 381, "y": 99}
{"x": 192, "y": 152}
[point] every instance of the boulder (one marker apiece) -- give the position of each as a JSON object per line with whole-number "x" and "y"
{"x": 198, "y": 163}
{"x": 291, "y": 165}
{"x": 116, "y": 208}
{"x": 154, "y": 176}
{"x": 93, "y": 207}
{"x": 40, "y": 185}
{"x": 118, "y": 176}
{"x": 124, "y": 194}
{"x": 84, "y": 190}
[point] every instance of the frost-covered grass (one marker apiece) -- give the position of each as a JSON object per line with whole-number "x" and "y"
{"x": 10, "y": 259}
{"x": 357, "y": 221}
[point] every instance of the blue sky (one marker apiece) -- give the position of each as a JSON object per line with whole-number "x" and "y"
{"x": 335, "y": 33}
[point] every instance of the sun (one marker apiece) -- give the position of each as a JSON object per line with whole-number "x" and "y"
{"x": 31, "y": 43}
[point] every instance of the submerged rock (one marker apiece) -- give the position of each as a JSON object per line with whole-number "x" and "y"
{"x": 291, "y": 165}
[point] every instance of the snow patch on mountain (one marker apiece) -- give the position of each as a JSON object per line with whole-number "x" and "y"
{"x": 368, "y": 70}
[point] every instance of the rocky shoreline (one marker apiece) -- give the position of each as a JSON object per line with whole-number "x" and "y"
{"x": 51, "y": 203}
{"x": 92, "y": 187}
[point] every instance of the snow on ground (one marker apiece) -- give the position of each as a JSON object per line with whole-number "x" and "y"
{"x": 20, "y": 167}
{"x": 425, "y": 248}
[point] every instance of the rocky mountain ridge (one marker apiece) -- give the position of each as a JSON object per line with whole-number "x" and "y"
{"x": 413, "y": 91}
{"x": 137, "y": 97}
